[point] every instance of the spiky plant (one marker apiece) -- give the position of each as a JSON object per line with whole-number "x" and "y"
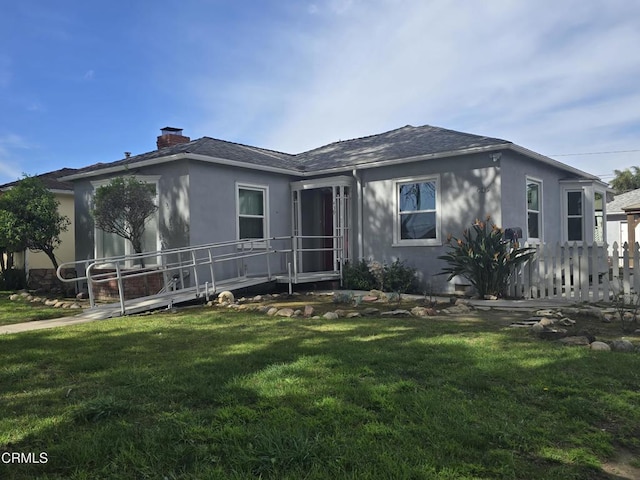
{"x": 484, "y": 257}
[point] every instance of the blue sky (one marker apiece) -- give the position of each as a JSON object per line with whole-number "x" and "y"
{"x": 82, "y": 82}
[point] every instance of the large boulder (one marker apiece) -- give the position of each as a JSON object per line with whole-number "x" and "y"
{"x": 622, "y": 346}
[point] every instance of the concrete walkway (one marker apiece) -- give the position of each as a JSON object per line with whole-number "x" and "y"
{"x": 85, "y": 317}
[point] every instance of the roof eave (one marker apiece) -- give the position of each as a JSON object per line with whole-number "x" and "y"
{"x": 552, "y": 162}
{"x": 170, "y": 158}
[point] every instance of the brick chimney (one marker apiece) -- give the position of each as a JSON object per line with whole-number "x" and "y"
{"x": 171, "y": 136}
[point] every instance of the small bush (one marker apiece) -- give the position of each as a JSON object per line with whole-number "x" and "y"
{"x": 397, "y": 277}
{"x": 400, "y": 278}
{"x": 356, "y": 276}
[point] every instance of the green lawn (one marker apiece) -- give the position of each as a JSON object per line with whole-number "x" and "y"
{"x": 203, "y": 394}
{"x": 18, "y": 311}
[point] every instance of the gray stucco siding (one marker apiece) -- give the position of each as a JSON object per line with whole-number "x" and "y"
{"x": 214, "y": 213}
{"x": 516, "y": 169}
{"x": 469, "y": 189}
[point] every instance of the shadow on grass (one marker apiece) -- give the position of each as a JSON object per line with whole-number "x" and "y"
{"x": 231, "y": 395}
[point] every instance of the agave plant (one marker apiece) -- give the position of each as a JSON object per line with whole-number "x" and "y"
{"x": 484, "y": 257}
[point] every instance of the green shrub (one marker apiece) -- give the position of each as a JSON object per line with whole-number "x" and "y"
{"x": 356, "y": 276}
{"x": 397, "y": 277}
{"x": 484, "y": 257}
{"x": 400, "y": 278}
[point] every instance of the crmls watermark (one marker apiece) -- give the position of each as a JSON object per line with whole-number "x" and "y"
{"x": 21, "y": 457}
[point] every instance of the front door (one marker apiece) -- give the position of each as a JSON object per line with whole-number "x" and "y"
{"x": 321, "y": 224}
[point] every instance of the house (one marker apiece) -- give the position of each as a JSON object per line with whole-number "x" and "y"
{"x": 37, "y": 266}
{"x": 623, "y": 211}
{"x": 394, "y": 195}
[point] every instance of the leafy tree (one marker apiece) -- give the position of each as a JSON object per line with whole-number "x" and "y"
{"x": 123, "y": 207}
{"x": 29, "y": 218}
{"x": 626, "y": 180}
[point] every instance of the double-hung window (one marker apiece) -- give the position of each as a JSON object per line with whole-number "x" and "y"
{"x": 534, "y": 210}
{"x": 252, "y": 208}
{"x": 417, "y": 211}
{"x": 575, "y": 215}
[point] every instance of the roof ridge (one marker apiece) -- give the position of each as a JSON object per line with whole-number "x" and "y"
{"x": 270, "y": 150}
{"x": 355, "y": 139}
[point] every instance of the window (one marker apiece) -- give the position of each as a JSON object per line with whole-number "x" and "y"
{"x": 534, "y": 209}
{"x": 252, "y": 208}
{"x": 574, "y": 216}
{"x": 598, "y": 223}
{"x": 417, "y": 221}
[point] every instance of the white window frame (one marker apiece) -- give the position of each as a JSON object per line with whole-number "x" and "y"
{"x": 397, "y": 240}
{"x": 259, "y": 243}
{"x": 540, "y": 237}
{"x": 566, "y": 216}
{"x": 128, "y": 248}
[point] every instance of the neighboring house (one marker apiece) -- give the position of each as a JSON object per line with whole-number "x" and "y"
{"x": 623, "y": 208}
{"x": 37, "y": 265}
{"x": 395, "y": 195}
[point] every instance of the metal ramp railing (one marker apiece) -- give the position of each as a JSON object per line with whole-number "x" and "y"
{"x": 154, "y": 279}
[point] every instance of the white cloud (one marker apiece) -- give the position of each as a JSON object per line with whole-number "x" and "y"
{"x": 551, "y": 79}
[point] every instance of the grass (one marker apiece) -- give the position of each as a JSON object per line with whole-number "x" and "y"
{"x": 19, "y": 311}
{"x": 205, "y": 394}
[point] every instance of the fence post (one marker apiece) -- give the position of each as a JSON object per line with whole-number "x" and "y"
{"x": 584, "y": 273}
{"x": 604, "y": 269}
{"x": 566, "y": 270}
{"x": 626, "y": 287}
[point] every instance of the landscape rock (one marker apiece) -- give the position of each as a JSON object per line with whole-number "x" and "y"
{"x": 14, "y": 296}
{"x": 369, "y": 298}
{"x": 600, "y": 346}
{"x": 594, "y": 312}
{"x": 341, "y": 313}
{"x": 353, "y": 315}
{"x": 547, "y": 322}
{"x": 257, "y": 298}
{"x": 272, "y": 311}
{"x": 423, "y": 312}
{"x": 457, "y": 309}
{"x": 552, "y": 333}
{"x": 537, "y": 328}
{"x": 308, "y": 311}
{"x": 396, "y": 313}
{"x": 567, "y": 322}
{"x": 622, "y": 346}
{"x": 330, "y": 316}
{"x": 297, "y": 313}
{"x": 371, "y": 311}
{"x": 576, "y": 341}
{"x": 285, "y": 312}
{"x": 226, "y": 297}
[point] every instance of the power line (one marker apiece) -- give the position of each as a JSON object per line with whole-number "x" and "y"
{"x": 593, "y": 153}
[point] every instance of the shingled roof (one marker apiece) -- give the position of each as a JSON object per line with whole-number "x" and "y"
{"x": 401, "y": 143}
{"x": 51, "y": 180}
{"x": 624, "y": 200}
{"x": 209, "y": 147}
{"x": 408, "y": 143}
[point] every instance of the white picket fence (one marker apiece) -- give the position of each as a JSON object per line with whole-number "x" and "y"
{"x": 577, "y": 272}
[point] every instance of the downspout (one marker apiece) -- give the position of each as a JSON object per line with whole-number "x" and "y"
{"x": 359, "y": 203}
